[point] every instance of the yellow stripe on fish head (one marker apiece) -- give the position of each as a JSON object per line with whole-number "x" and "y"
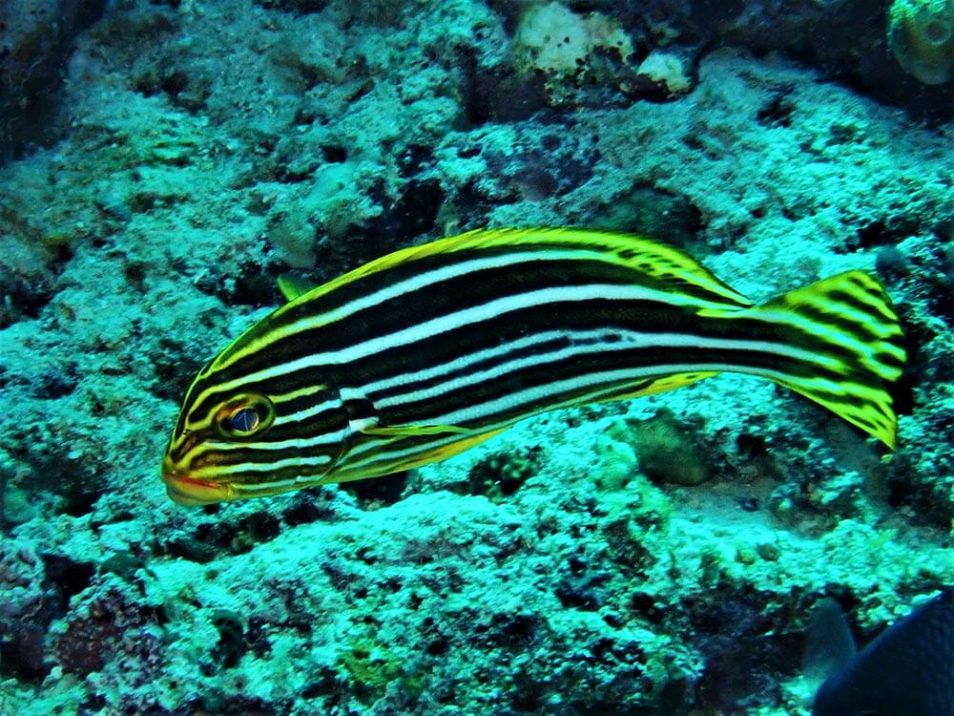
{"x": 233, "y": 442}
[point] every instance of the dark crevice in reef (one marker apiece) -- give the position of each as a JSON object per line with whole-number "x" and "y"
{"x": 497, "y": 94}
{"x": 778, "y": 111}
{"x": 175, "y": 365}
{"x": 34, "y": 47}
{"x": 27, "y": 294}
{"x": 23, "y": 641}
{"x": 24, "y": 300}
{"x": 254, "y": 285}
{"x": 403, "y": 219}
{"x": 299, "y": 7}
{"x": 412, "y": 214}
{"x": 742, "y": 646}
{"x": 385, "y": 490}
{"x": 846, "y": 40}
{"x": 228, "y": 536}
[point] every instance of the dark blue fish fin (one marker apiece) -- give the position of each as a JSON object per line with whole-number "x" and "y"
{"x": 908, "y": 670}
{"x": 829, "y": 645}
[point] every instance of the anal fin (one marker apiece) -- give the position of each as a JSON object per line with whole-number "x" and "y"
{"x": 652, "y": 386}
{"x": 442, "y": 452}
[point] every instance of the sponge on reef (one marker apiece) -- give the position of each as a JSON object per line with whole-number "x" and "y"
{"x": 921, "y": 36}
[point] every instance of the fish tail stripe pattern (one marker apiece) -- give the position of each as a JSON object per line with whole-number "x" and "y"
{"x": 427, "y": 351}
{"x": 848, "y": 315}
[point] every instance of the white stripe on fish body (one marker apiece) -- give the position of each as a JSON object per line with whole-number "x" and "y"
{"x": 630, "y": 340}
{"x": 450, "y": 272}
{"x": 492, "y": 310}
{"x": 604, "y": 383}
{"x": 249, "y": 489}
{"x": 328, "y": 406}
{"x": 303, "y": 444}
{"x": 373, "y": 455}
{"x": 403, "y": 288}
{"x": 465, "y": 361}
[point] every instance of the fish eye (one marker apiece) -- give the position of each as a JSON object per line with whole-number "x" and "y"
{"x": 245, "y": 416}
{"x": 244, "y": 420}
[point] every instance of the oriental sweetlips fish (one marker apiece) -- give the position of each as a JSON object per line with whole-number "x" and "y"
{"x": 427, "y": 351}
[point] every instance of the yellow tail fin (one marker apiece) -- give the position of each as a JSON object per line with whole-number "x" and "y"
{"x": 853, "y": 341}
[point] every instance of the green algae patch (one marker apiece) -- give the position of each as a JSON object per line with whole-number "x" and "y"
{"x": 500, "y": 475}
{"x": 669, "y": 451}
{"x": 371, "y": 668}
{"x": 921, "y": 36}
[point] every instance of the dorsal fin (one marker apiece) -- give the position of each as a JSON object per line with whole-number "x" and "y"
{"x": 673, "y": 269}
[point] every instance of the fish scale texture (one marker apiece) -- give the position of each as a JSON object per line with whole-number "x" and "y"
{"x": 654, "y": 556}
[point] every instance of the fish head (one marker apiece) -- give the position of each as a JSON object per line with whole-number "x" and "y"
{"x": 234, "y": 439}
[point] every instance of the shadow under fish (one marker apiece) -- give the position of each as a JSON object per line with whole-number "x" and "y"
{"x": 906, "y": 671}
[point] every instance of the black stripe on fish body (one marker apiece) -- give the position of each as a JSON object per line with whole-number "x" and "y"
{"x": 611, "y": 320}
{"x": 457, "y": 341}
{"x": 532, "y": 258}
{"x": 636, "y": 363}
{"x": 425, "y": 303}
{"x": 498, "y": 360}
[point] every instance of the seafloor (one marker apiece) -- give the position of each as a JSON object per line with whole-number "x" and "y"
{"x": 166, "y": 161}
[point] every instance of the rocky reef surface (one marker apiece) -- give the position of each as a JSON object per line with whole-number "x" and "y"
{"x": 653, "y": 557}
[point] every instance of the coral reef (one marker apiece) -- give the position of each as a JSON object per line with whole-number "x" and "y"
{"x": 659, "y": 556}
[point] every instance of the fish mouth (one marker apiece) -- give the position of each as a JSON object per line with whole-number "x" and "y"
{"x": 186, "y": 490}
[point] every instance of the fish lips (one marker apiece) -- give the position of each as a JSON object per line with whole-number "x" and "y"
{"x": 186, "y": 490}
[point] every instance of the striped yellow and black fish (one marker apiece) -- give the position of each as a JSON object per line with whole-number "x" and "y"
{"x": 429, "y": 350}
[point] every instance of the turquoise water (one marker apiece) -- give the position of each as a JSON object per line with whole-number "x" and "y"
{"x": 164, "y": 163}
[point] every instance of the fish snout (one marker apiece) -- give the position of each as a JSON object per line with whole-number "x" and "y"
{"x": 187, "y": 490}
